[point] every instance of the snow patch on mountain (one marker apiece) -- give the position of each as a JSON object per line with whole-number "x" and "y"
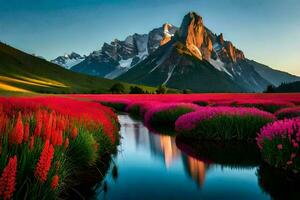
{"x": 219, "y": 65}
{"x": 161, "y": 60}
{"x": 170, "y": 74}
{"x": 125, "y": 63}
{"x": 68, "y": 60}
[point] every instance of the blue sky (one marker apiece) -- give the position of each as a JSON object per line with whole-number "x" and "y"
{"x": 267, "y": 31}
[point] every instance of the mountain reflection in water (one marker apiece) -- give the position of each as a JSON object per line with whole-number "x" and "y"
{"x": 163, "y": 147}
{"x": 150, "y": 166}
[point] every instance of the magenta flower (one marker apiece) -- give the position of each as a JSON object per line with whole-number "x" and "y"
{"x": 163, "y": 107}
{"x": 284, "y": 129}
{"x": 189, "y": 121}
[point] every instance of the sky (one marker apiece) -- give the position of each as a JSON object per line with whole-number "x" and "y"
{"x": 267, "y": 31}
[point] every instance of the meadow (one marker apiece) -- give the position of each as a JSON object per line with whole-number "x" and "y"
{"x": 270, "y": 120}
{"x": 46, "y": 141}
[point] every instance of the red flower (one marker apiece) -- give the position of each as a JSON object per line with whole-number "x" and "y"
{"x": 53, "y": 138}
{"x": 44, "y": 163}
{"x": 59, "y": 140}
{"x": 16, "y": 137}
{"x": 26, "y": 132}
{"x": 48, "y": 127}
{"x": 38, "y": 126}
{"x": 74, "y": 133}
{"x": 8, "y": 179}
{"x": 31, "y": 143}
{"x": 3, "y": 124}
{"x": 54, "y": 182}
{"x": 66, "y": 143}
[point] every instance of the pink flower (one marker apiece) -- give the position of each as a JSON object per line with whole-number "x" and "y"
{"x": 279, "y": 146}
{"x": 189, "y": 121}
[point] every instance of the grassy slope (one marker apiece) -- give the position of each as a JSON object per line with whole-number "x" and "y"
{"x": 21, "y": 72}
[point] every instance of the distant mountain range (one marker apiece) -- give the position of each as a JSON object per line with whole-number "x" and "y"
{"x": 68, "y": 60}
{"x": 188, "y": 57}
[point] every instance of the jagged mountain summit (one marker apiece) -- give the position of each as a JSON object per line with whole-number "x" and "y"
{"x": 119, "y": 56}
{"x": 188, "y": 57}
{"x": 195, "y": 58}
{"x": 68, "y": 60}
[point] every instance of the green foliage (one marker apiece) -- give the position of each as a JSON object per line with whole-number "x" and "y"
{"x": 272, "y": 108}
{"x": 226, "y": 127}
{"x": 279, "y": 157}
{"x": 136, "y": 90}
{"x": 161, "y": 89}
{"x": 115, "y": 105}
{"x": 201, "y": 103}
{"x": 117, "y": 88}
{"x": 270, "y": 89}
{"x": 82, "y": 151}
{"x": 106, "y": 147}
{"x": 165, "y": 120}
{"x": 187, "y": 91}
{"x": 135, "y": 112}
{"x": 288, "y": 87}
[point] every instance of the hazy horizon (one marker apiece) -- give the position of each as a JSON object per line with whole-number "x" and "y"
{"x": 266, "y": 31}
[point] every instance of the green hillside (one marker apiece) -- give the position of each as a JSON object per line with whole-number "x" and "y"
{"x": 22, "y": 72}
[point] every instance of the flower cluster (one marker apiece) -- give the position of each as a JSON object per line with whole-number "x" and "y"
{"x": 288, "y": 112}
{"x": 167, "y": 113}
{"x": 8, "y": 179}
{"x": 189, "y": 121}
{"x": 44, "y": 163}
{"x": 42, "y": 131}
{"x": 279, "y": 99}
{"x": 286, "y": 129}
{"x": 279, "y": 143}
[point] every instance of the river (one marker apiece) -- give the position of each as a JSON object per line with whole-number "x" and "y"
{"x": 151, "y": 166}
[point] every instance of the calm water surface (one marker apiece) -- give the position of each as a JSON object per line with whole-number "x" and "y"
{"x": 150, "y": 166}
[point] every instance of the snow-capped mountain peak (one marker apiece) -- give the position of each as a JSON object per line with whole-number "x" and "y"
{"x": 68, "y": 60}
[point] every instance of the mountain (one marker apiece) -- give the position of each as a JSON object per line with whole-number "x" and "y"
{"x": 68, "y": 60}
{"x": 191, "y": 53}
{"x": 275, "y": 77}
{"x": 22, "y": 72}
{"x": 196, "y": 58}
{"x": 119, "y": 56}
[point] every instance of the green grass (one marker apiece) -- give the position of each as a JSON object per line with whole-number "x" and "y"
{"x": 278, "y": 158}
{"x": 165, "y": 120}
{"x": 24, "y": 73}
{"x": 117, "y": 106}
{"x": 227, "y": 128}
